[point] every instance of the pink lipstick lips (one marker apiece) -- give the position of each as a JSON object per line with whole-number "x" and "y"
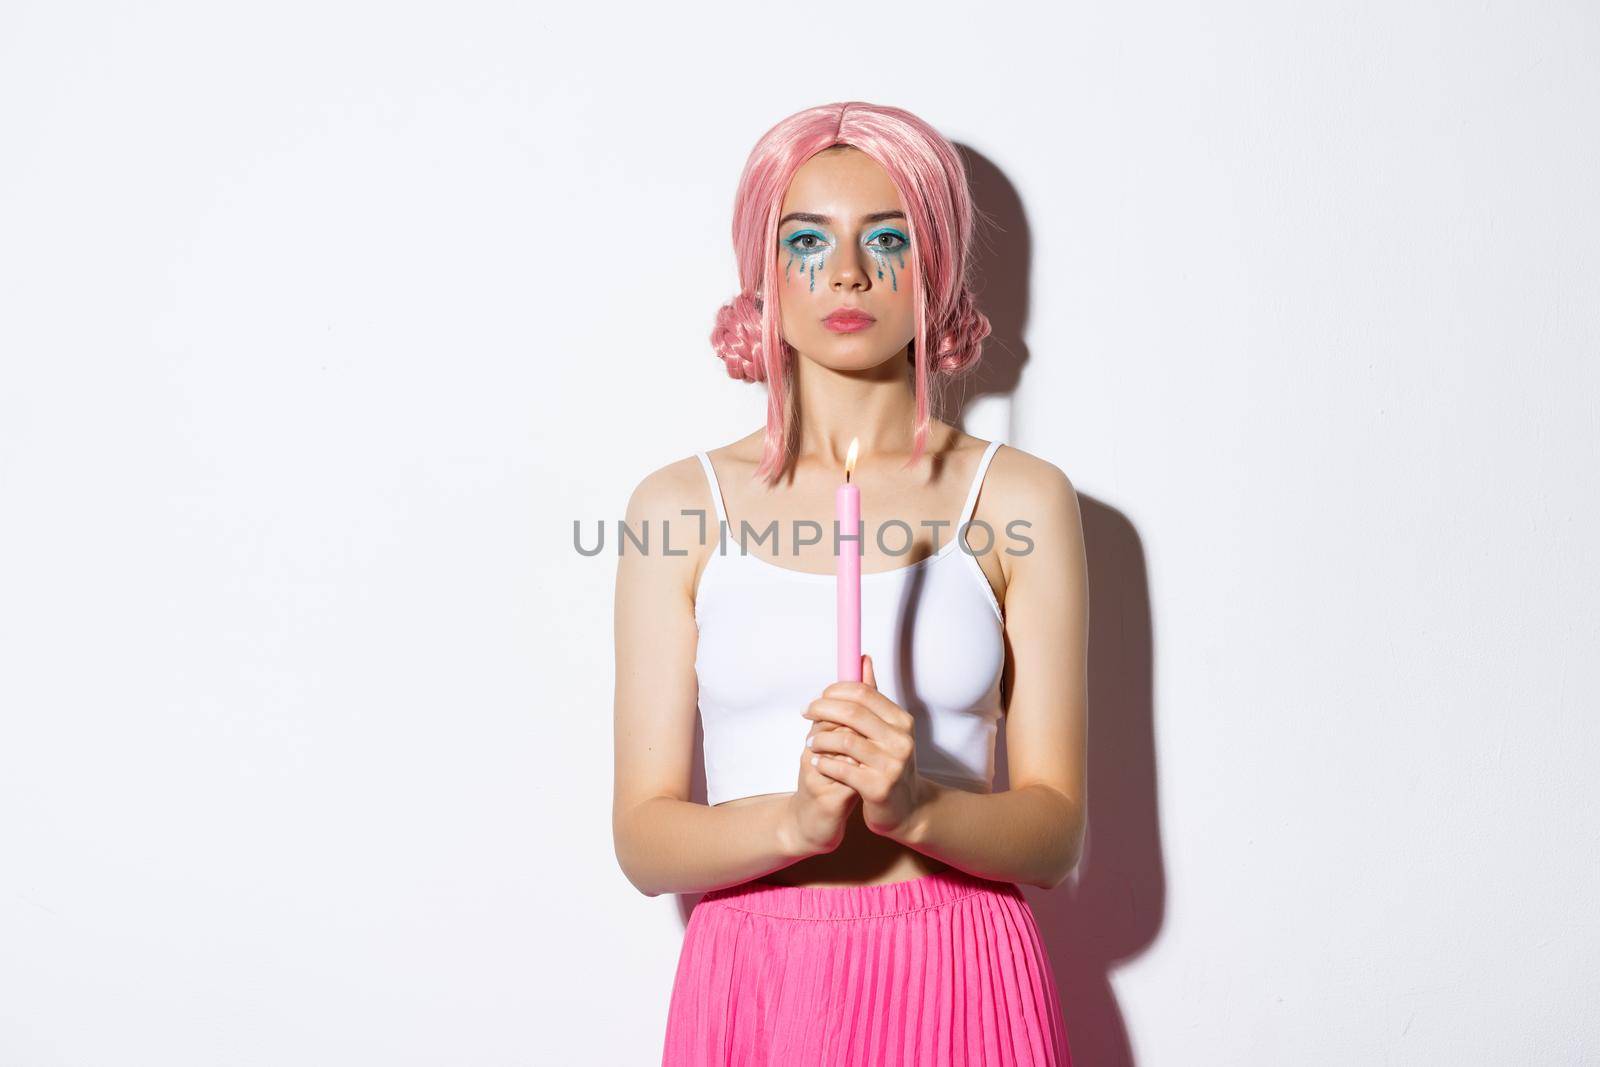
{"x": 848, "y": 320}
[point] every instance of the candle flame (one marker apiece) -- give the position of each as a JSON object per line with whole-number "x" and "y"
{"x": 850, "y": 458}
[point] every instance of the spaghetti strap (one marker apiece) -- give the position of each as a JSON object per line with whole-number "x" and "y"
{"x": 977, "y": 483}
{"x": 716, "y": 488}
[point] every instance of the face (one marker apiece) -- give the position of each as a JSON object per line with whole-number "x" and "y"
{"x": 844, "y": 244}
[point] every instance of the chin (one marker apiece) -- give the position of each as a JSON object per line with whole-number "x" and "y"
{"x": 852, "y": 351}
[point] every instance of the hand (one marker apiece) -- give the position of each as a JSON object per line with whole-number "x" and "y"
{"x": 818, "y": 809}
{"x": 871, "y": 749}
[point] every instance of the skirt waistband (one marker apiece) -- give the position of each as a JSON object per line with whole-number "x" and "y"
{"x": 856, "y": 901}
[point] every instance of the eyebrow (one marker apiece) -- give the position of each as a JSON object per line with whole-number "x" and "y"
{"x": 807, "y": 216}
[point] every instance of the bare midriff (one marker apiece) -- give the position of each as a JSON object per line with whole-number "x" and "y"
{"x": 862, "y": 858}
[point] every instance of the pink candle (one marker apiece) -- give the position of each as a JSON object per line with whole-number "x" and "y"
{"x": 847, "y": 510}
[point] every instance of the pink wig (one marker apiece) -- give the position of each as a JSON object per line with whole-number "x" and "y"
{"x": 931, "y": 181}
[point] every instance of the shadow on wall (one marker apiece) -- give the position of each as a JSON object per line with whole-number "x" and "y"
{"x": 1002, "y": 261}
{"x": 1111, "y": 909}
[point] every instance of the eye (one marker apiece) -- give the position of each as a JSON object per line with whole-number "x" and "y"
{"x": 887, "y": 240}
{"x": 806, "y": 241}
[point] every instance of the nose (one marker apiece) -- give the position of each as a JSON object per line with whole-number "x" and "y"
{"x": 852, "y": 269}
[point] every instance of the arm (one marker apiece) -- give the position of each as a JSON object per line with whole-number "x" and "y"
{"x": 664, "y": 842}
{"x": 1029, "y": 833}
{"x": 1032, "y": 832}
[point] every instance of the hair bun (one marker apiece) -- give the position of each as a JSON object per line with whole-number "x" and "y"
{"x": 736, "y": 338}
{"x": 959, "y": 341}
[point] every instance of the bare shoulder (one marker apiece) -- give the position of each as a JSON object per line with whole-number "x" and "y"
{"x": 1034, "y": 503}
{"x": 667, "y": 491}
{"x": 670, "y": 520}
{"x": 678, "y": 497}
{"x": 1027, "y": 486}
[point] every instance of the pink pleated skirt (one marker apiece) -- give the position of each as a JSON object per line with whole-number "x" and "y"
{"x": 945, "y": 970}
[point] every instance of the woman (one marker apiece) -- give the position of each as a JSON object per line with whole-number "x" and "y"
{"x": 860, "y": 874}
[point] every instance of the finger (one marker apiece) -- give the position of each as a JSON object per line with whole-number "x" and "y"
{"x": 825, "y": 727}
{"x": 818, "y": 728}
{"x": 855, "y": 776}
{"x": 850, "y": 744}
{"x": 868, "y": 675}
{"x": 871, "y": 699}
{"x": 852, "y": 714}
{"x": 820, "y": 785}
{"x": 818, "y": 725}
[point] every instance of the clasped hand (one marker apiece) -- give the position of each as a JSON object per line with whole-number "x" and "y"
{"x": 865, "y": 740}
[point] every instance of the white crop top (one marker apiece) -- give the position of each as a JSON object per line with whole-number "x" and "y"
{"x": 767, "y": 649}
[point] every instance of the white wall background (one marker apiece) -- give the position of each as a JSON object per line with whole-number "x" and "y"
{"x": 321, "y": 323}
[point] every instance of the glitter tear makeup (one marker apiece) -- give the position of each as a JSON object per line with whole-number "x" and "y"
{"x": 891, "y": 255}
{"x": 812, "y": 257}
{"x": 809, "y": 248}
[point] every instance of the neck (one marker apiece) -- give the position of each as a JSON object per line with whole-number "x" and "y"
{"x": 877, "y": 406}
